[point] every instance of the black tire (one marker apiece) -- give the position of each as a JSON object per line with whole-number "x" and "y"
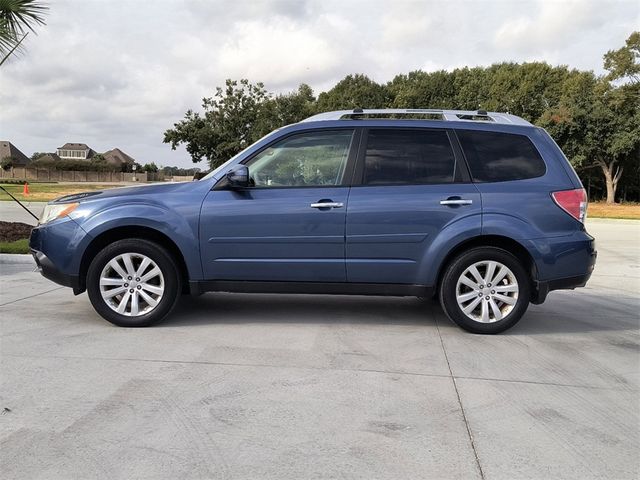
{"x": 459, "y": 265}
{"x": 164, "y": 261}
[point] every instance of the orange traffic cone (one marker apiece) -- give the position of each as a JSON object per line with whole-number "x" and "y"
{"x": 25, "y": 189}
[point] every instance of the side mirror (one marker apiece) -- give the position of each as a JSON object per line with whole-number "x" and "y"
{"x": 238, "y": 176}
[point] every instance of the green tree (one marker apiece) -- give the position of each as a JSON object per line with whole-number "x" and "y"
{"x": 6, "y": 163}
{"x": 17, "y": 19}
{"x": 227, "y": 125}
{"x": 420, "y": 89}
{"x": 598, "y": 126}
{"x": 285, "y": 109}
{"x": 150, "y": 167}
{"x": 624, "y": 63}
{"x": 37, "y": 155}
{"x": 354, "y": 91}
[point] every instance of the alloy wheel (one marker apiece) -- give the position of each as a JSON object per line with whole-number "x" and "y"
{"x": 487, "y": 291}
{"x": 131, "y": 284}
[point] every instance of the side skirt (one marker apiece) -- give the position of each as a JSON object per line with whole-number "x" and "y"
{"x": 381, "y": 289}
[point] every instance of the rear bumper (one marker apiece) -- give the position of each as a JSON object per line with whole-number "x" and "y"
{"x": 566, "y": 283}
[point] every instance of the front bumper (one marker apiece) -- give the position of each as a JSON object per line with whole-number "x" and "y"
{"x": 50, "y": 271}
{"x": 57, "y": 250}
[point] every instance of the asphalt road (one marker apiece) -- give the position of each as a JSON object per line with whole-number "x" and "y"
{"x": 300, "y": 387}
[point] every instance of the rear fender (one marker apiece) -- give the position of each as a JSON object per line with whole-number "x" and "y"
{"x": 448, "y": 238}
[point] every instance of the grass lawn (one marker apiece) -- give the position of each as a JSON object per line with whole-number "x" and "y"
{"x": 44, "y": 192}
{"x": 615, "y": 210}
{"x": 19, "y": 246}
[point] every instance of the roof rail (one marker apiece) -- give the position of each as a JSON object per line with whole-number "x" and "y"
{"x": 419, "y": 114}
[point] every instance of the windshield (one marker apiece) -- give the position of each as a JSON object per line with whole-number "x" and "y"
{"x": 217, "y": 170}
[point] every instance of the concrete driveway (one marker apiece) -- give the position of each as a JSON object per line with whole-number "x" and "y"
{"x": 300, "y": 387}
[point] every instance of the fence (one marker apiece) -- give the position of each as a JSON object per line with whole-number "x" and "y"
{"x": 49, "y": 175}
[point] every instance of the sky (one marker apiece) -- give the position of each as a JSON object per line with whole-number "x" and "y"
{"x": 118, "y": 73}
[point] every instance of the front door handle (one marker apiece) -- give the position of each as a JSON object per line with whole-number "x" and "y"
{"x": 456, "y": 201}
{"x": 327, "y": 205}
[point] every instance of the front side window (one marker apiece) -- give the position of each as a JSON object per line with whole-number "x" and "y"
{"x": 307, "y": 159}
{"x": 500, "y": 157}
{"x": 408, "y": 157}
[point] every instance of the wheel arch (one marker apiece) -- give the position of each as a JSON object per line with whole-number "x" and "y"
{"x": 131, "y": 231}
{"x": 505, "y": 243}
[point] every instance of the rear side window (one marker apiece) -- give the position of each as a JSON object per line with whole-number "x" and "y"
{"x": 500, "y": 157}
{"x": 408, "y": 157}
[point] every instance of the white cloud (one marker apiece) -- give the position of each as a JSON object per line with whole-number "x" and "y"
{"x": 277, "y": 52}
{"x": 555, "y": 23}
{"x": 119, "y": 73}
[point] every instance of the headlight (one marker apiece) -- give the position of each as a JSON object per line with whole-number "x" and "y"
{"x": 51, "y": 212}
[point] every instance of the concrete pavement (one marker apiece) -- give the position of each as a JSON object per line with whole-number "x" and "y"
{"x": 287, "y": 387}
{"x": 10, "y": 211}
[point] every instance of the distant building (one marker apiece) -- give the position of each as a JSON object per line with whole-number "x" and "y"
{"x": 118, "y": 157}
{"x": 49, "y": 157}
{"x": 75, "y": 151}
{"x": 9, "y": 150}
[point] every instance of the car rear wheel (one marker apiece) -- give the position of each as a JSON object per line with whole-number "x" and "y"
{"x": 485, "y": 290}
{"x": 133, "y": 283}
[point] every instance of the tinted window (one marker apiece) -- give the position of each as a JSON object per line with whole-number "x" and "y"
{"x": 307, "y": 159}
{"x": 397, "y": 157}
{"x": 499, "y": 157}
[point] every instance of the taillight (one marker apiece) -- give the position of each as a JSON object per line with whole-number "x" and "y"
{"x": 574, "y": 202}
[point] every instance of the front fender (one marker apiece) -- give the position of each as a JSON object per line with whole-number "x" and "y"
{"x": 181, "y": 230}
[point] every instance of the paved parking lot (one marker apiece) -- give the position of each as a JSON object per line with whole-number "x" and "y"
{"x": 300, "y": 387}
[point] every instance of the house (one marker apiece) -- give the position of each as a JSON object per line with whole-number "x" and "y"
{"x": 49, "y": 157}
{"x": 81, "y": 151}
{"x": 75, "y": 151}
{"x": 116, "y": 156}
{"x": 9, "y": 150}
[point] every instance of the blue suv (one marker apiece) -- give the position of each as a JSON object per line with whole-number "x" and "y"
{"x": 481, "y": 209}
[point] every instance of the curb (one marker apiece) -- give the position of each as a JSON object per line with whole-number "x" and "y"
{"x": 16, "y": 259}
{"x": 630, "y": 221}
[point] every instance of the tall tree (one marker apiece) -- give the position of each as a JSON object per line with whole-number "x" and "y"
{"x": 226, "y": 126}
{"x": 420, "y": 89}
{"x": 353, "y": 91}
{"x": 17, "y": 19}
{"x": 624, "y": 63}
{"x": 235, "y": 117}
{"x": 285, "y": 109}
{"x": 597, "y": 126}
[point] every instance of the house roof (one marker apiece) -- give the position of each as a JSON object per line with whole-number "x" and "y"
{"x": 117, "y": 157}
{"x": 7, "y": 149}
{"x": 49, "y": 157}
{"x": 75, "y": 146}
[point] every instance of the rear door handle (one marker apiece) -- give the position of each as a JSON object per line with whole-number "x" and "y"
{"x": 458, "y": 201}
{"x": 327, "y": 205}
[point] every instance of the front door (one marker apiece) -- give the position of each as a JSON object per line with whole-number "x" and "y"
{"x": 290, "y": 224}
{"x": 412, "y": 189}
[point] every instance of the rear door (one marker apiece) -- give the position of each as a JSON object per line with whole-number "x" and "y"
{"x": 413, "y": 185}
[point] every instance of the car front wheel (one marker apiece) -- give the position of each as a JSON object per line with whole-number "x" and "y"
{"x": 133, "y": 283}
{"x": 485, "y": 290}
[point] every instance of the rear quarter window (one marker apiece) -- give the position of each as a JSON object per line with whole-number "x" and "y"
{"x": 500, "y": 157}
